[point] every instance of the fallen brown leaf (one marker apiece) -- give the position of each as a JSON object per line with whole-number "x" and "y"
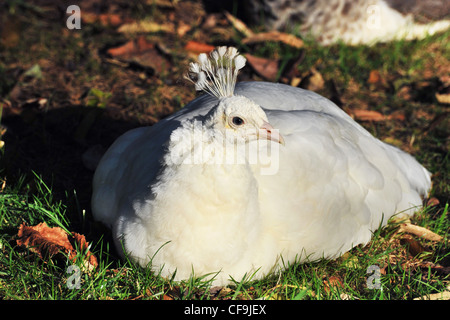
{"x": 405, "y": 93}
{"x": 198, "y": 47}
{"x": 10, "y": 33}
{"x": 131, "y": 47}
{"x": 142, "y": 52}
{"x": 46, "y": 242}
{"x": 397, "y": 115}
{"x": 443, "y": 98}
{"x": 374, "y": 77}
{"x": 332, "y": 282}
{"x": 295, "y": 81}
{"x": 414, "y": 246}
{"x": 314, "y": 81}
{"x": 105, "y": 19}
{"x": 2, "y": 143}
{"x": 183, "y": 28}
{"x": 211, "y": 20}
{"x": 146, "y": 26}
{"x": 276, "y": 36}
{"x": 173, "y": 293}
{"x": 371, "y": 115}
{"x": 90, "y": 260}
{"x": 421, "y": 232}
{"x": 431, "y": 202}
{"x": 368, "y": 115}
{"x": 266, "y": 68}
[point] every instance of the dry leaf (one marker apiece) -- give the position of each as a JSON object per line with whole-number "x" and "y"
{"x": 131, "y": 48}
{"x": 414, "y": 246}
{"x": 445, "y": 295}
{"x": 371, "y": 115}
{"x": 198, "y": 47}
{"x": 368, "y": 115}
{"x": 220, "y": 292}
{"x": 10, "y": 33}
{"x": 431, "y": 202}
{"x": 210, "y": 21}
{"x": 266, "y": 68}
{"x": 2, "y": 143}
{"x": 239, "y": 25}
{"x": 46, "y": 242}
{"x": 397, "y": 115}
{"x": 145, "y": 26}
{"x": 374, "y": 77}
{"x": 420, "y": 232}
{"x": 183, "y": 28}
{"x": 332, "y": 282}
{"x": 345, "y": 296}
{"x": 295, "y": 81}
{"x": 405, "y": 93}
{"x": 173, "y": 293}
{"x": 314, "y": 81}
{"x": 105, "y": 19}
{"x": 277, "y": 36}
{"x": 142, "y": 52}
{"x": 443, "y": 98}
{"x": 350, "y": 261}
{"x": 90, "y": 261}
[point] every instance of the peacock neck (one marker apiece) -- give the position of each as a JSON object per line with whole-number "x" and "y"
{"x": 202, "y": 164}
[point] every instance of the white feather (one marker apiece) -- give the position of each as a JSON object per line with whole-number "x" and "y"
{"x": 334, "y": 184}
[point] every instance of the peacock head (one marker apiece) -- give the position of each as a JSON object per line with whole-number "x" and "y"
{"x": 243, "y": 119}
{"x": 235, "y": 115}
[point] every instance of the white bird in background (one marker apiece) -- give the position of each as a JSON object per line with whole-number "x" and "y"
{"x": 248, "y": 176}
{"x": 353, "y": 21}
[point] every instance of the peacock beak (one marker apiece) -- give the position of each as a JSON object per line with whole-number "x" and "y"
{"x": 266, "y": 131}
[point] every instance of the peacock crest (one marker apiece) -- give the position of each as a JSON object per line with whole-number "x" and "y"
{"x": 217, "y": 72}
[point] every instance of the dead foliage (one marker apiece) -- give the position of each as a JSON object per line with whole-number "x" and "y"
{"x": 48, "y": 242}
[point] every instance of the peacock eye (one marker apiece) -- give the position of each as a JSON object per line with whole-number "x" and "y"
{"x": 237, "y": 121}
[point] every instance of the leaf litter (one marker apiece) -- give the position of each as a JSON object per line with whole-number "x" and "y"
{"x": 48, "y": 242}
{"x": 144, "y": 41}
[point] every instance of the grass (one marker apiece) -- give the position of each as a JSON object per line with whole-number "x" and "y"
{"x": 23, "y": 275}
{"x": 42, "y": 178}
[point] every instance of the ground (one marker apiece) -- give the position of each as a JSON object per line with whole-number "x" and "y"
{"x": 67, "y": 94}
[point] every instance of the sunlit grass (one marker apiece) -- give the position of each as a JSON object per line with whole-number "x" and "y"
{"x": 30, "y": 199}
{"x": 23, "y": 275}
